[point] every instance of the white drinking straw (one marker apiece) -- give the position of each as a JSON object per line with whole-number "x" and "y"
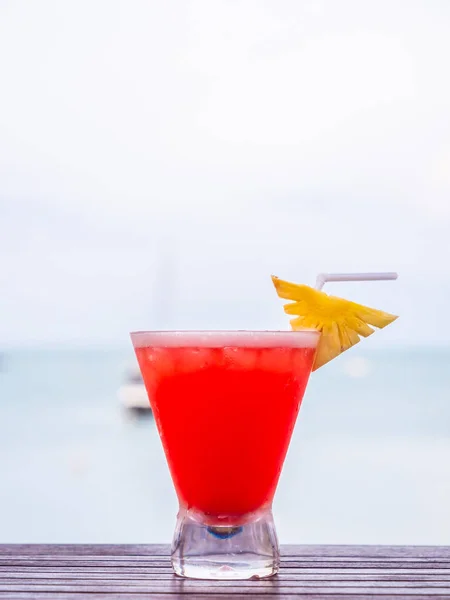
{"x": 322, "y": 278}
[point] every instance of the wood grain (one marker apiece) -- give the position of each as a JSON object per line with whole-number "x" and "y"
{"x": 131, "y": 572}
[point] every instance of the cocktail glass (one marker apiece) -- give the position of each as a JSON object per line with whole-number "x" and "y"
{"x": 225, "y": 405}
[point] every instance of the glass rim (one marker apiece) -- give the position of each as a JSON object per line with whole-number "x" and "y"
{"x": 226, "y": 337}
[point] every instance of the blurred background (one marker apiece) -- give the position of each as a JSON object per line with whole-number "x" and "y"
{"x": 158, "y": 161}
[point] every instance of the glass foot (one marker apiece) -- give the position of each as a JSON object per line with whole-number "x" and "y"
{"x": 202, "y": 550}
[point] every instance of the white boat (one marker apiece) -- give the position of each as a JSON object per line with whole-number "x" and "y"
{"x": 132, "y": 393}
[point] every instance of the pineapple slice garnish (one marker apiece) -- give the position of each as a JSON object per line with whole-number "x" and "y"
{"x": 341, "y": 322}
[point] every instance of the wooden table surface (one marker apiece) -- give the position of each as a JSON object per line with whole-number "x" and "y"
{"x": 133, "y": 572}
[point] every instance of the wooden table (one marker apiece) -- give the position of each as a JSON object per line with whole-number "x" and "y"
{"x": 133, "y": 572}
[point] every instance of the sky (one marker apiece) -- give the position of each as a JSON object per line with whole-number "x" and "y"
{"x": 159, "y": 160}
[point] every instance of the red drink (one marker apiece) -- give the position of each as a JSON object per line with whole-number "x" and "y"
{"x": 225, "y": 404}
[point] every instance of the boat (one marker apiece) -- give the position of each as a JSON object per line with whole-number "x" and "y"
{"x": 132, "y": 393}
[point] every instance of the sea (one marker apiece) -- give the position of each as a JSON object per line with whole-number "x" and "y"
{"x": 369, "y": 461}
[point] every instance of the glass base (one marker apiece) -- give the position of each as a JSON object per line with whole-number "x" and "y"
{"x": 201, "y": 550}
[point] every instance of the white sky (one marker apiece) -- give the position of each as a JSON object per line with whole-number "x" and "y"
{"x": 198, "y": 146}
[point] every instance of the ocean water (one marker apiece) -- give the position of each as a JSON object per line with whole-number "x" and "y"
{"x": 369, "y": 461}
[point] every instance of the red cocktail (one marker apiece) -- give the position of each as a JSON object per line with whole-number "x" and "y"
{"x": 225, "y": 405}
